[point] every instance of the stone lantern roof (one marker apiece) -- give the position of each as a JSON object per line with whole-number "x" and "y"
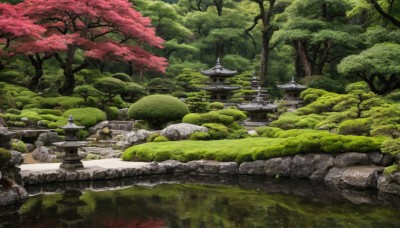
{"x": 221, "y": 87}
{"x": 292, "y": 86}
{"x": 218, "y": 70}
{"x": 258, "y": 104}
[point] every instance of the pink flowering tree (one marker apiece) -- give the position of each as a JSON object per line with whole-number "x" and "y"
{"x": 15, "y": 28}
{"x": 102, "y": 29}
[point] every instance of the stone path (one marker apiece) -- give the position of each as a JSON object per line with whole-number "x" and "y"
{"x": 102, "y": 163}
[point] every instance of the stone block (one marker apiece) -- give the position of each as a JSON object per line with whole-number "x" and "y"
{"x": 350, "y": 159}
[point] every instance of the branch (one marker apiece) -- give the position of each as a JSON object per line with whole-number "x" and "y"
{"x": 384, "y": 14}
{"x": 82, "y": 66}
{"x": 60, "y": 60}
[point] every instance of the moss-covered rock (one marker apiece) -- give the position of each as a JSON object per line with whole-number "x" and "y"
{"x": 5, "y": 156}
{"x": 158, "y": 110}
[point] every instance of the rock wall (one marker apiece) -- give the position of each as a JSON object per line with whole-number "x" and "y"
{"x": 349, "y": 170}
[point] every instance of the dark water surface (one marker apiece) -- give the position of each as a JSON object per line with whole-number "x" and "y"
{"x": 208, "y": 202}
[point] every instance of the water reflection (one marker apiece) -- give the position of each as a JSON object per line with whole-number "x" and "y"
{"x": 240, "y": 202}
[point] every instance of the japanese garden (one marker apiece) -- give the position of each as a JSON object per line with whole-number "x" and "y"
{"x": 199, "y": 113}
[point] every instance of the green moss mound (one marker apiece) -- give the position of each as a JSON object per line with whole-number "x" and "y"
{"x": 158, "y": 110}
{"x": 86, "y": 116}
{"x": 250, "y": 149}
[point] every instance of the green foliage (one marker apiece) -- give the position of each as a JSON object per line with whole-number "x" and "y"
{"x": 216, "y": 131}
{"x": 158, "y": 109}
{"x": 391, "y": 169}
{"x": 111, "y": 112}
{"x": 110, "y": 86}
{"x": 122, "y": 76}
{"x": 141, "y": 124}
{"x": 238, "y": 134}
{"x": 192, "y": 118}
{"x": 388, "y": 130}
{"x": 355, "y": 127}
{"x": 5, "y": 156}
{"x": 215, "y": 106}
{"x": 86, "y": 116}
{"x": 18, "y": 145}
{"x": 391, "y": 146}
{"x": 152, "y": 137}
{"x": 270, "y": 132}
{"x": 236, "y": 114}
{"x": 361, "y": 85}
{"x": 200, "y": 136}
{"x": 161, "y": 139}
{"x": 327, "y": 84}
{"x": 63, "y": 103}
{"x": 85, "y": 91}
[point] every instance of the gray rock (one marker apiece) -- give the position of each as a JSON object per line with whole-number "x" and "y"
{"x": 123, "y": 114}
{"x": 3, "y": 123}
{"x": 204, "y": 166}
{"x": 137, "y": 137}
{"x": 1, "y": 175}
{"x": 357, "y": 197}
{"x": 97, "y": 127}
{"x": 228, "y": 168}
{"x": 253, "y": 168}
{"x": 313, "y": 166}
{"x": 47, "y": 139}
{"x": 29, "y": 147}
{"x": 5, "y": 138}
{"x": 13, "y": 194}
{"x": 16, "y": 158}
{"x": 385, "y": 184}
{"x": 374, "y": 158}
{"x": 44, "y": 154}
{"x": 279, "y": 166}
{"x": 170, "y": 165}
{"x": 181, "y": 131}
{"x": 356, "y": 176}
{"x": 396, "y": 177}
{"x": 387, "y": 159}
{"x": 350, "y": 159}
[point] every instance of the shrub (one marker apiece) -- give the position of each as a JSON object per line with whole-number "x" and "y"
{"x": 391, "y": 146}
{"x": 216, "y": 106}
{"x": 390, "y": 130}
{"x": 357, "y": 86}
{"x": 200, "y": 136}
{"x": 224, "y": 119}
{"x": 83, "y": 134}
{"x": 152, "y": 137}
{"x": 192, "y": 118}
{"x": 111, "y": 113}
{"x": 86, "y": 116}
{"x": 122, "y": 76}
{"x": 268, "y": 131}
{"x": 141, "y": 124}
{"x": 216, "y": 131}
{"x": 18, "y": 145}
{"x": 5, "y": 156}
{"x": 355, "y": 127}
{"x": 110, "y": 86}
{"x": 161, "y": 139}
{"x": 238, "y": 134}
{"x": 158, "y": 109}
{"x": 13, "y": 111}
{"x": 236, "y": 114}
{"x": 50, "y": 111}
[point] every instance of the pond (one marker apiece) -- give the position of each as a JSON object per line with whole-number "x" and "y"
{"x": 232, "y": 202}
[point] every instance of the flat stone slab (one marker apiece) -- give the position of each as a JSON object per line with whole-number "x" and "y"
{"x": 355, "y": 176}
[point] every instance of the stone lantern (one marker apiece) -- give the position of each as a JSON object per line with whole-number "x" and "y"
{"x": 71, "y": 159}
{"x": 292, "y": 97}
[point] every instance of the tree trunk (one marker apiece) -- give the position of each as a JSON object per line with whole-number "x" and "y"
{"x": 38, "y": 65}
{"x": 69, "y": 76}
{"x": 264, "y": 57}
{"x": 301, "y": 52}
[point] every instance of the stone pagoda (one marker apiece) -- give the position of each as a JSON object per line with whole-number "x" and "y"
{"x": 292, "y": 97}
{"x": 71, "y": 158}
{"x": 219, "y": 89}
{"x": 258, "y": 110}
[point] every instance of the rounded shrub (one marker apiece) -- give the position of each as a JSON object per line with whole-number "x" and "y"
{"x": 216, "y": 106}
{"x": 192, "y": 118}
{"x": 152, "y": 137}
{"x": 86, "y": 116}
{"x": 111, "y": 113}
{"x": 217, "y": 131}
{"x": 236, "y": 114}
{"x": 391, "y": 146}
{"x": 158, "y": 109}
{"x": 355, "y": 127}
{"x": 123, "y": 77}
{"x": 269, "y": 132}
{"x": 225, "y": 119}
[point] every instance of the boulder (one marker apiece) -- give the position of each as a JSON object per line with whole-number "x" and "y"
{"x": 97, "y": 127}
{"x": 13, "y": 194}
{"x": 350, "y": 159}
{"x": 374, "y": 158}
{"x": 16, "y": 158}
{"x": 252, "y": 168}
{"x": 3, "y": 123}
{"x": 279, "y": 166}
{"x": 181, "y": 131}
{"x": 137, "y": 137}
{"x": 386, "y": 184}
{"x": 43, "y": 154}
{"x": 387, "y": 160}
{"x": 47, "y": 139}
{"x": 355, "y": 176}
{"x": 5, "y": 138}
{"x": 313, "y": 166}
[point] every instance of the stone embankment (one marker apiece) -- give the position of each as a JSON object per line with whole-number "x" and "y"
{"x": 348, "y": 170}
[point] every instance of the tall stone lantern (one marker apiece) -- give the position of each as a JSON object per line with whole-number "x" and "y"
{"x": 71, "y": 159}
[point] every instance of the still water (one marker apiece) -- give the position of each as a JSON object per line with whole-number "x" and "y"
{"x": 244, "y": 202}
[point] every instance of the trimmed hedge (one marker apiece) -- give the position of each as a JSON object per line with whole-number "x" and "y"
{"x": 158, "y": 110}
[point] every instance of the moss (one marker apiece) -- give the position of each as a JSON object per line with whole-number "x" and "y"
{"x": 268, "y": 131}
{"x": 391, "y": 146}
{"x": 141, "y": 124}
{"x": 152, "y": 137}
{"x": 18, "y": 145}
{"x": 5, "y": 156}
{"x": 390, "y": 169}
{"x": 161, "y": 139}
{"x": 86, "y": 116}
{"x": 158, "y": 110}
{"x": 216, "y": 106}
{"x": 111, "y": 113}
{"x": 355, "y": 127}
{"x": 200, "y": 136}
{"x": 216, "y": 131}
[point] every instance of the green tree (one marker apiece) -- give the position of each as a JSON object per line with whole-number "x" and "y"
{"x": 85, "y": 91}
